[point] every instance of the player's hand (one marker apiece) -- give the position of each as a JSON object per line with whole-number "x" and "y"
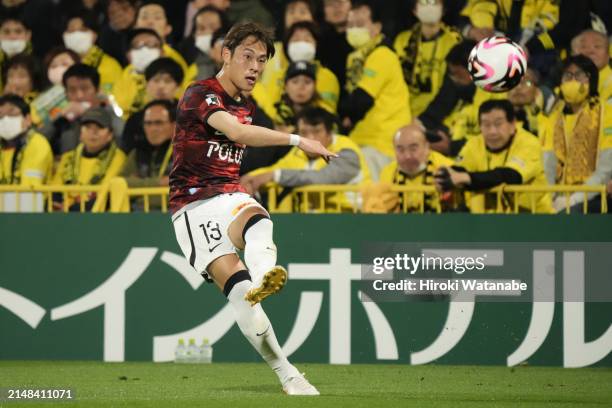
{"x": 315, "y": 147}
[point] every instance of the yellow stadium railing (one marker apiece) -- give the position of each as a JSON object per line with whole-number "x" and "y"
{"x": 304, "y": 196}
{"x": 565, "y": 191}
{"x": 46, "y": 192}
{"x": 115, "y": 196}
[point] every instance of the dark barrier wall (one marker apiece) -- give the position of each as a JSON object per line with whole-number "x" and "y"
{"x": 116, "y": 287}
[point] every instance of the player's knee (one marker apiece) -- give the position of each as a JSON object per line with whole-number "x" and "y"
{"x": 260, "y": 227}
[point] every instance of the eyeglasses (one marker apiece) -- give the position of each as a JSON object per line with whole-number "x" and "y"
{"x": 578, "y": 76}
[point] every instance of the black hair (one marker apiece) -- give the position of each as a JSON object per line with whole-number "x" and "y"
{"x": 170, "y": 106}
{"x": 218, "y": 35}
{"x": 210, "y": 9}
{"x": 151, "y": 3}
{"x": 138, "y": 31}
{"x": 55, "y": 51}
{"x": 300, "y": 25}
{"x": 15, "y": 18}
{"x": 87, "y": 17}
{"x": 17, "y": 101}
{"x": 316, "y": 116}
{"x": 83, "y": 71}
{"x": 30, "y": 64}
{"x": 374, "y": 6}
{"x": 165, "y": 65}
{"x": 241, "y": 31}
{"x": 588, "y": 66}
{"x": 460, "y": 53}
{"x": 501, "y": 104}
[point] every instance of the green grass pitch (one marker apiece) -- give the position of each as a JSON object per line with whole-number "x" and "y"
{"x": 98, "y": 384}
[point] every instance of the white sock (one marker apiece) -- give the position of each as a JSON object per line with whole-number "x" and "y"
{"x": 253, "y": 321}
{"x": 259, "y": 249}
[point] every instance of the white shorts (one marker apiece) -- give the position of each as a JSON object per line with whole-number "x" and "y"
{"x": 201, "y": 228}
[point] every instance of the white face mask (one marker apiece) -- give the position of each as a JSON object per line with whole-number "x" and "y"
{"x": 11, "y": 127}
{"x": 56, "y": 74}
{"x": 301, "y": 51}
{"x": 79, "y": 41}
{"x": 142, "y": 57}
{"x": 429, "y": 13}
{"x": 12, "y": 47}
{"x": 203, "y": 42}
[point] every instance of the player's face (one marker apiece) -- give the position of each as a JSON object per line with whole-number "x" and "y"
{"x": 153, "y": 16}
{"x": 162, "y": 86}
{"x": 157, "y": 125}
{"x": 94, "y": 137}
{"x": 525, "y": 92}
{"x": 595, "y": 47}
{"x": 246, "y": 64}
{"x": 496, "y": 129}
{"x": 411, "y": 151}
{"x": 315, "y": 132}
{"x": 300, "y": 89}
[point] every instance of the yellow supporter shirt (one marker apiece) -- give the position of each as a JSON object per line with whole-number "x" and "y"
{"x": 27, "y": 163}
{"x": 523, "y": 155}
{"x": 463, "y": 120}
{"x": 392, "y": 174}
{"x": 496, "y": 13}
{"x": 605, "y": 84}
{"x": 429, "y": 66}
{"x": 382, "y": 79}
{"x": 268, "y": 93}
{"x": 108, "y": 68}
{"x": 296, "y": 159}
{"x": 78, "y": 167}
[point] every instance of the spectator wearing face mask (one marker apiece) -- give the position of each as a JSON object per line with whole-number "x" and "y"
{"x": 80, "y": 36}
{"x": 130, "y": 90}
{"x": 23, "y": 77}
{"x": 596, "y": 46}
{"x": 81, "y": 83}
{"x": 95, "y": 160}
{"x": 48, "y": 105}
{"x": 453, "y": 113}
{"x": 422, "y": 51}
{"x": 196, "y": 47}
{"x": 15, "y": 39}
{"x": 164, "y": 77}
{"x": 577, "y": 134}
{"x": 300, "y": 44}
{"x": 152, "y": 15}
{"x": 274, "y": 73}
{"x": 25, "y": 155}
{"x": 377, "y": 101}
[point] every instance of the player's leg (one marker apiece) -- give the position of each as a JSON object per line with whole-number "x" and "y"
{"x": 252, "y": 231}
{"x": 231, "y": 276}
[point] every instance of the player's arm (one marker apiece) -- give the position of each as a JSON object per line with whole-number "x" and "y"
{"x": 257, "y": 136}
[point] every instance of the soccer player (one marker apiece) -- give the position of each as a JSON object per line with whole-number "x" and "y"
{"x": 211, "y": 213}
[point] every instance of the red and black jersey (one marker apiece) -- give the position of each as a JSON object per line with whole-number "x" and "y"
{"x": 205, "y": 162}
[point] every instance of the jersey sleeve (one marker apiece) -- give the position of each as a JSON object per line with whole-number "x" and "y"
{"x": 199, "y": 102}
{"x": 526, "y": 159}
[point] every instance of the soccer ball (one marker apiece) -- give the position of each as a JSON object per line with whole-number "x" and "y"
{"x": 497, "y": 64}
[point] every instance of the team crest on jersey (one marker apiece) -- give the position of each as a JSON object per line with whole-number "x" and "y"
{"x": 212, "y": 99}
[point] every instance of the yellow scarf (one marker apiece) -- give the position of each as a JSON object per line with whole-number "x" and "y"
{"x": 577, "y": 153}
{"x": 356, "y": 62}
